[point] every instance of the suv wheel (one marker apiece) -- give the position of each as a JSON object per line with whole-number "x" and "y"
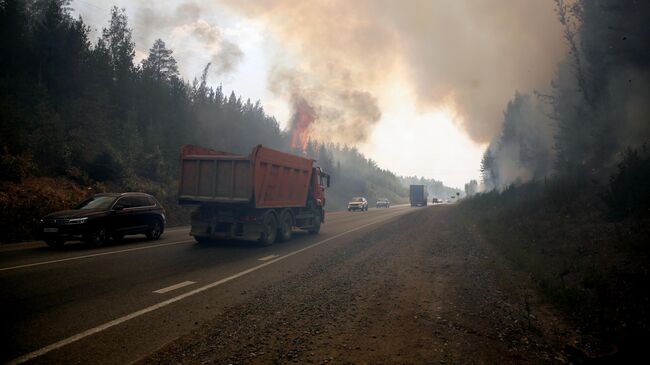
{"x": 155, "y": 230}
{"x": 98, "y": 238}
{"x": 202, "y": 239}
{"x": 55, "y": 242}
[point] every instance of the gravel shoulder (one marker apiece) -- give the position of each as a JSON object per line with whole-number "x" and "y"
{"x": 421, "y": 289}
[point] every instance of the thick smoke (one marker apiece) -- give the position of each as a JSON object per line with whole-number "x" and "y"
{"x": 524, "y": 149}
{"x": 187, "y": 26}
{"x": 470, "y": 54}
{"x": 599, "y": 102}
{"x": 342, "y": 112}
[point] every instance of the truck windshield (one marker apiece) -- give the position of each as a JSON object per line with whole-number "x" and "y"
{"x": 324, "y": 179}
{"x": 96, "y": 202}
{"x": 357, "y": 199}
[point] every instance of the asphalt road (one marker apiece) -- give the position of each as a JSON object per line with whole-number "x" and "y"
{"x": 119, "y": 303}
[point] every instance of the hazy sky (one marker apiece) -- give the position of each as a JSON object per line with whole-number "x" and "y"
{"x": 418, "y": 85}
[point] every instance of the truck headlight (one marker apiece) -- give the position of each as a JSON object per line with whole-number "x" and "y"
{"x": 78, "y": 220}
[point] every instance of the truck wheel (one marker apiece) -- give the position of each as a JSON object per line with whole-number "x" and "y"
{"x": 286, "y": 223}
{"x": 270, "y": 229}
{"x": 316, "y": 227}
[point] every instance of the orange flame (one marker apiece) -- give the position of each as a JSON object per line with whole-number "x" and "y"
{"x": 303, "y": 116}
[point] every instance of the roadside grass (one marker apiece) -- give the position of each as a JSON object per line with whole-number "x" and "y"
{"x": 593, "y": 268}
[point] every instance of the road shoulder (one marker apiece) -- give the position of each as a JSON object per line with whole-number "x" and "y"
{"x": 420, "y": 289}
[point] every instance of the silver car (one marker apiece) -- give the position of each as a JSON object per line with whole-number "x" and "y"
{"x": 382, "y": 203}
{"x": 358, "y": 203}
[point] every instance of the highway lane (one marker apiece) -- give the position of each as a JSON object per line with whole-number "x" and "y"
{"x": 51, "y": 295}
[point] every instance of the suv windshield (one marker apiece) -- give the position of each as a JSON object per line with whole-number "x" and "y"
{"x": 96, "y": 202}
{"x": 357, "y": 199}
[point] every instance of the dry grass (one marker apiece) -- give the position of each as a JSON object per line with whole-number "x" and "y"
{"x": 594, "y": 269}
{"x": 23, "y": 204}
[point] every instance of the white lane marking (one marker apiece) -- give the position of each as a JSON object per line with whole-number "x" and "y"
{"x": 174, "y": 287}
{"x": 94, "y": 255}
{"x": 115, "y": 322}
{"x": 267, "y": 258}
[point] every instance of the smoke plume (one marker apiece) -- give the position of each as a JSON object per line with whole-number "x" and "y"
{"x": 524, "y": 149}
{"x": 188, "y": 29}
{"x": 468, "y": 55}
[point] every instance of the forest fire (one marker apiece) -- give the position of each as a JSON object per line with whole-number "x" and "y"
{"x": 303, "y": 116}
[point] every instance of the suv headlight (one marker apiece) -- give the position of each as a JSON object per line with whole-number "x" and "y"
{"x": 78, "y": 220}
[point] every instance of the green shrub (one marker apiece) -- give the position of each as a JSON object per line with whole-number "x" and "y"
{"x": 629, "y": 187}
{"x": 152, "y": 165}
{"x": 106, "y": 166}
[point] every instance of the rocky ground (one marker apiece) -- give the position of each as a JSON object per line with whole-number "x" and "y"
{"x": 422, "y": 289}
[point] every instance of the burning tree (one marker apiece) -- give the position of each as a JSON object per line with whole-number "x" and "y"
{"x": 304, "y": 115}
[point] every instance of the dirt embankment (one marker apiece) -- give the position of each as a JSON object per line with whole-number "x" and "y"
{"x": 423, "y": 289}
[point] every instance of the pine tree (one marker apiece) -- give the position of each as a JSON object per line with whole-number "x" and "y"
{"x": 160, "y": 64}
{"x": 117, "y": 39}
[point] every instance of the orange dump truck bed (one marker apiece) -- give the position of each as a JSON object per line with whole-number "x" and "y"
{"x": 264, "y": 179}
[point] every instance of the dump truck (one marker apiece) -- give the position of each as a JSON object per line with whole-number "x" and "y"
{"x": 418, "y": 195}
{"x": 262, "y": 196}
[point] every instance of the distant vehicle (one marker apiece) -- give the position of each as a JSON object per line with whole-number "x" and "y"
{"x": 436, "y": 201}
{"x": 358, "y": 203}
{"x": 418, "y": 195}
{"x": 382, "y": 203}
{"x": 262, "y": 196}
{"x": 103, "y": 217}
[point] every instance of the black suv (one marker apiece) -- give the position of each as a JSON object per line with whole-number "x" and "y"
{"x": 103, "y": 217}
